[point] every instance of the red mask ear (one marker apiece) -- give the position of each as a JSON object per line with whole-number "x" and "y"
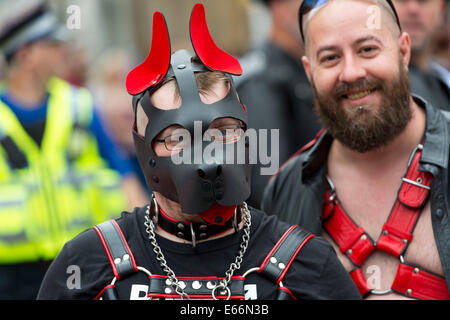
{"x": 154, "y": 68}
{"x": 206, "y": 49}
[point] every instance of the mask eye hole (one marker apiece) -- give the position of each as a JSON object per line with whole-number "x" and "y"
{"x": 167, "y": 97}
{"x": 141, "y": 120}
{"x": 225, "y": 130}
{"x": 171, "y": 140}
{"x": 213, "y": 91}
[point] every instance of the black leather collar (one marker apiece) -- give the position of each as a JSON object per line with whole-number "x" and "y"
{"x": 192, "y": 231}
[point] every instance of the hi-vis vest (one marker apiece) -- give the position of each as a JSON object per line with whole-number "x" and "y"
{"x": 65, "y": 188}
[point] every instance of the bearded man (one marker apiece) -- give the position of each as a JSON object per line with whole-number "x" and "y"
{"x": 374, "y": 182}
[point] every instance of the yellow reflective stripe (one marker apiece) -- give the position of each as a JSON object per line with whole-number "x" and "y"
{"x": 12, "y": 127}
{"x": 84, "y": 108}
{"x": 84, "y": 114}
{"x": 58, "y": 125}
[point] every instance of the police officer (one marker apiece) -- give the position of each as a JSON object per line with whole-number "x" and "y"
{"x": 59, "y": 171}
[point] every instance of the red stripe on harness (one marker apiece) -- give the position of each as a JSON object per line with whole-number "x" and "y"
{"x": 287, "y": 263}
{"x": 193, "y": 296}
{"x": 113, "y": 265}
{"x": 293, "y": 257}
{"x": 130, "y": 253}
{"x": 288, "y": 292}
{"x": 275, "y": 247}
{"x": 103, "y": 290}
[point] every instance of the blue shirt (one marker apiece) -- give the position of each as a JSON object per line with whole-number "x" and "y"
{"x": 109, "y": 150}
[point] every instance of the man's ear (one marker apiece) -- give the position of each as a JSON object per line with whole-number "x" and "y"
{"x": 404, "y": 44}
{"x": 305, "y": 62}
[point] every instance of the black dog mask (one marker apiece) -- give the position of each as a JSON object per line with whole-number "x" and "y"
{"x": 196, "y": 187}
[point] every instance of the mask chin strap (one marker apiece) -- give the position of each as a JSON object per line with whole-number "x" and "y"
{"x": 218, "y": 214}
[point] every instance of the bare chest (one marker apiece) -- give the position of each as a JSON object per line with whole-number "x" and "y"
{"x": 369, "y": 208}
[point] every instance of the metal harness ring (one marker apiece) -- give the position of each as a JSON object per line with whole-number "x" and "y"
{"x": 225, "y": 288}
{"x": 114, "y": 280}
{"x": 383, "y": 292}
{"x": 380, "y": 292}
{"x": 255, "y": 269}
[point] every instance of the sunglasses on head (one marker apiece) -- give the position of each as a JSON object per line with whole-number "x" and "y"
{"x": 308, "y": 5}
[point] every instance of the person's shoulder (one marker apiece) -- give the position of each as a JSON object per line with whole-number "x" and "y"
{"x": 316, "y": 248}
{"x": 90, "y": 238}
{"x": 272, "y": 227}
{"x": 290, "y": 170}
{"x": 128, "y": 221}
{"x": 293, "y": 167}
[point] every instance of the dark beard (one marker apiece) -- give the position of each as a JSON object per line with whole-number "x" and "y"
{"x": 363, "y": 130}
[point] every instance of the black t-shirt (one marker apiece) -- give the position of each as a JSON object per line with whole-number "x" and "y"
{"x": 315, "y": 273}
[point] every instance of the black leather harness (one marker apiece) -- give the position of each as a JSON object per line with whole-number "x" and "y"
{"x": 274, "y": 267}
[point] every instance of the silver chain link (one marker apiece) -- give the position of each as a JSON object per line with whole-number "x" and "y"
{"x": 150, "y": 229}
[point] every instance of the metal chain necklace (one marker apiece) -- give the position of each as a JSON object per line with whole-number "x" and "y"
{"x": 223, "y": 284}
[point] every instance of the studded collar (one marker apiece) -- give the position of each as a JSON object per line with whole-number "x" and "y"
{"x": 192, "y": 231}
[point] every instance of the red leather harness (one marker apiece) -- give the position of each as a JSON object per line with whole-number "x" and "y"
{"x": 396, "y": 234}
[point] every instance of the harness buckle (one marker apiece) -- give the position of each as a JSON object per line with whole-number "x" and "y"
{"x": 194, "y": 239}
{"x": 332, "y": 198}
{"x": 331, "y": 184}
{"x": 416, "y": 183}
{"x": 416, "y": 149}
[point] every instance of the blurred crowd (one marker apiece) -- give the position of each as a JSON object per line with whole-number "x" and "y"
{"x": 42, "y": 62}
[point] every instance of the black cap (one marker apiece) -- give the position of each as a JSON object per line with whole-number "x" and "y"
{"x": 35, "y": 23}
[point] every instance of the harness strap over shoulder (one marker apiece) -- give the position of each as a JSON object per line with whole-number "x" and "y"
{"x": 274, "y": 266}
{"x": 280, "y": 258}
{"x": 119, "y": 254}
{"x": 397, "y": 233}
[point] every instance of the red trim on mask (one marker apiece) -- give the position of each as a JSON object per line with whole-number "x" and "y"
{"x": 218, "y": 214}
